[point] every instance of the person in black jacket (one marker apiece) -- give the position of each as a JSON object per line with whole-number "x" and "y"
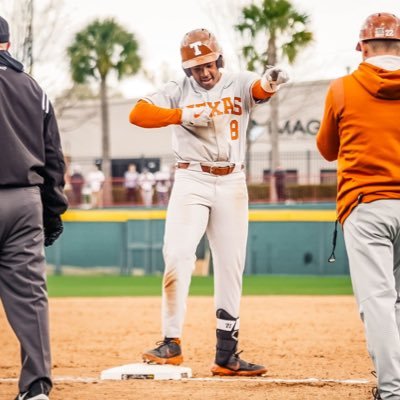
{"x": 31, "y": 201}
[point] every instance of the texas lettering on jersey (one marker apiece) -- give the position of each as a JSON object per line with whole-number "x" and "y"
{"x": 224, "y": 106}
{"x": 230, "y": 103}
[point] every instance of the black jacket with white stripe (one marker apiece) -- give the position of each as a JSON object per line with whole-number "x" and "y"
{"x": 30, "y": 147}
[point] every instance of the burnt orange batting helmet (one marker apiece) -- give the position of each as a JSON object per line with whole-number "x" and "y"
{"x": 380, "y": 26}
{"x": 200, "y": 47}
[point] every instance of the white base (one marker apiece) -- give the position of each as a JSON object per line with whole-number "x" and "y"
{"x": 146, "y": 371}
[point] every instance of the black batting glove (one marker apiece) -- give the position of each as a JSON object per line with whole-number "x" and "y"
{"x": 53, "y": 228}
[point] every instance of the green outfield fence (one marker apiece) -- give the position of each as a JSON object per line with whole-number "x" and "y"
{"x": 283, "y": 239}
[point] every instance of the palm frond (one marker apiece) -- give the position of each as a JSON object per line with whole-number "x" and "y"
{"x": 103, "y": 46}
{"x": 279, "y": 22}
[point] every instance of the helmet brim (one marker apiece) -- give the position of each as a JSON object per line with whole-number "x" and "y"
{"x": 194, "y": 62}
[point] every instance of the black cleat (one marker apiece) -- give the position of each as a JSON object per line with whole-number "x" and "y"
{"x": 168, "y": 352}
{"x": 238, "y": 367}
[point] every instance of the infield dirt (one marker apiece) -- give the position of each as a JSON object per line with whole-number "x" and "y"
{"x": 297, "y": 337}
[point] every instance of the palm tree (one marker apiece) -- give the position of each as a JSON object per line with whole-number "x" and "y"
{"x": 282, "y": 32}
{"x": 100, "y": 49}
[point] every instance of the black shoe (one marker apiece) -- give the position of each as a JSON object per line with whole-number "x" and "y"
{"x": 238, "y": 367}
{"x": 375, "y": 393}
{"x": 168, "y": 352}
{"x": 39, "y": 390}
{"x": 375, "y": 390}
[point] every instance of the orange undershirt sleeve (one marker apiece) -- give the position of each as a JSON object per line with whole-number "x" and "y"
{"x": 259, "y": 93}
{"x": 147, "y": 115}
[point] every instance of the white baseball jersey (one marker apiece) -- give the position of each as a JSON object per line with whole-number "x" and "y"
{"x": 230, "y": 101}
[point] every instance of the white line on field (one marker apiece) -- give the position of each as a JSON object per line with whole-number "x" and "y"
{"x": 59, "y": 379}
{"x": 270, "y": 380}
{"x": 231, "y": 379}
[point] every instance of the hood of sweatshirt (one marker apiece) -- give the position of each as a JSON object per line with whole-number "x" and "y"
{"x": 7, "y": 60}
{"x": 378, "y": 82}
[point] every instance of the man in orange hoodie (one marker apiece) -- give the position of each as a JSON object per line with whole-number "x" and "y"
{"x": 361, "y": 129}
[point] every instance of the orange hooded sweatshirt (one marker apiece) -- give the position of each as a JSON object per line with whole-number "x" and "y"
{"x": 361, "y": 129}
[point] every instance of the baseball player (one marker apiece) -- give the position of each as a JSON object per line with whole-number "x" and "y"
{"x": 31, "y": 201}
{"x": 209, "y": 111}
{"x": 360, "y": 128}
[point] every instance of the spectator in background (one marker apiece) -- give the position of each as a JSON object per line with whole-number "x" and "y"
{"x": 163, "y": 185}
{"x": 95, "y": 181}
{"x": 131, "y": 178}
{"x": 146, "y": 183}
{"x": 77, "y": 181}
{"x": 280, "y": 183}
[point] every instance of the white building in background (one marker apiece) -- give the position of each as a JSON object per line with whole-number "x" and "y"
{"x": 301, "y": 108}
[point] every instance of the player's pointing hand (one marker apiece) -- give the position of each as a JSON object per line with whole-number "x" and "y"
{"x": 273, "y": 77}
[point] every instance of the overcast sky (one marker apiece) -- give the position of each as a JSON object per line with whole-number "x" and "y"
{"x": 160, "y": 24}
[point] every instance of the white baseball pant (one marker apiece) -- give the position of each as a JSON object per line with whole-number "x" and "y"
{"x": 218, "y": 205}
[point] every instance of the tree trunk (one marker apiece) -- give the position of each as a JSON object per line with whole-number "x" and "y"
{"x": 274, "y": 129}
{"x": 274, "y": 140}
{"x": 28, "y": 40}
{"x": 105, "y": 130}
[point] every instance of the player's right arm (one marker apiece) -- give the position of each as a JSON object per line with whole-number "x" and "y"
{"x": 147, "y": 115}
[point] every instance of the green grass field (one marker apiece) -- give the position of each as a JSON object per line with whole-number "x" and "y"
{"x": 103, "y": 286}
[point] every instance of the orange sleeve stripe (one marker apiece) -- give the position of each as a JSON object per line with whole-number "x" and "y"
{"x": 147, "y": 115}
{"x": 259, "y": 93}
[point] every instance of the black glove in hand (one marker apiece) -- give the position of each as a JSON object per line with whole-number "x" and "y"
{"x": 53, "y": 228}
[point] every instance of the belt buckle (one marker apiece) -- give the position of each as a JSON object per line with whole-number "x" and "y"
{"x": 212, "y": 168}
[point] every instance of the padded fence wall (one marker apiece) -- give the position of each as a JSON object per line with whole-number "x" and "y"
{"x": 282, "y": 240}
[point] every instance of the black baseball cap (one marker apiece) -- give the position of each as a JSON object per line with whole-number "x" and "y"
{"x": 4, "y": 31}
